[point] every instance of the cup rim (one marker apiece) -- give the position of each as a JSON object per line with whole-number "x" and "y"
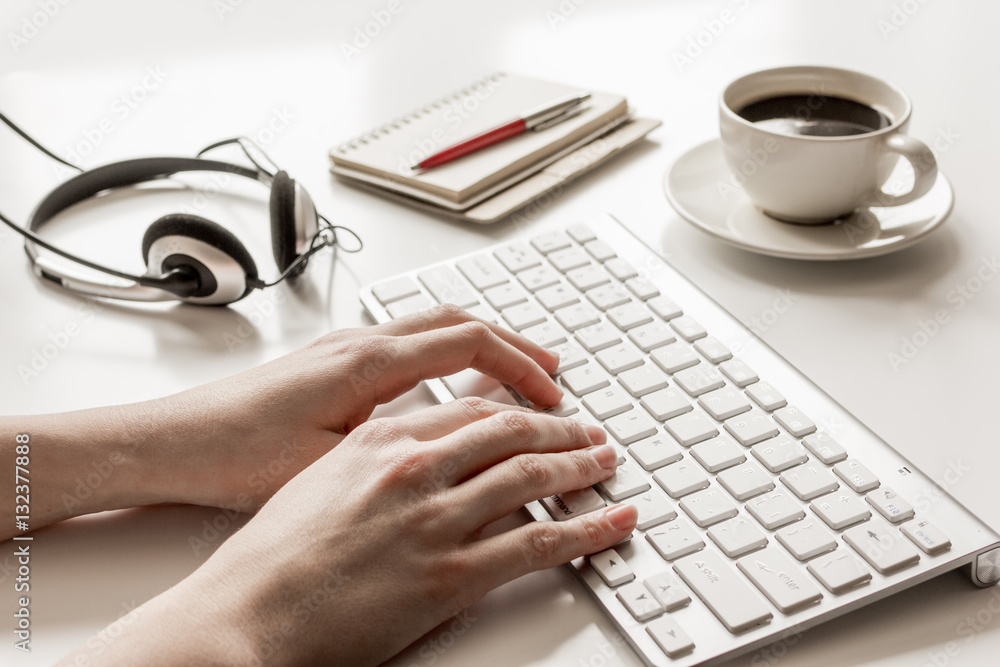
{"x": 892, "y": 127}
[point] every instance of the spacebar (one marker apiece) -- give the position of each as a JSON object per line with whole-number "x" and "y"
{"x": 471, "y": 382}
{"x": 727, "y": 594}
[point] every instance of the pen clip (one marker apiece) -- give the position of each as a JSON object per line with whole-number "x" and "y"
{"x": 566, "y": 115}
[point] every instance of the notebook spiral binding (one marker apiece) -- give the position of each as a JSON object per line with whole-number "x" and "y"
{"x": 397, "y": 123}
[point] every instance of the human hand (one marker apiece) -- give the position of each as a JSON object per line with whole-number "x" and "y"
{"x": 233, "y": 443}
{"x": 379, "y": 540}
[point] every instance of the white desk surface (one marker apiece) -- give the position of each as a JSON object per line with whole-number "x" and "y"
{"x": 281, "y": 72}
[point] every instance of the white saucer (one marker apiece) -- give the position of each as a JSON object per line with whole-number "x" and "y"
{"x": 703, "y": 191}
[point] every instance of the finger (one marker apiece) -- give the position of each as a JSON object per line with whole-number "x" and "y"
{"x": 441, "y": 420}
{"x": 449, "y": 315}
{"x": 484, "y": 443}
{"x": 498, "y": 491}
{"x": 442, "y": 352}
{"x": 544, "y": 544}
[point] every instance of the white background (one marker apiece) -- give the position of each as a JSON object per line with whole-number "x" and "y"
{"x": 281, "y": 72}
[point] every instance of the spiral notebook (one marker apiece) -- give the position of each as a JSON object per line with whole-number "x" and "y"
{"x": 382, "y": 157}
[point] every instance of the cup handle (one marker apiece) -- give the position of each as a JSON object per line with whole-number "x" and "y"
{"x": 924, "y": 166}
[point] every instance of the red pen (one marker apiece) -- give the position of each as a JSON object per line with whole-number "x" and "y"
{"x": 539, "y": 118}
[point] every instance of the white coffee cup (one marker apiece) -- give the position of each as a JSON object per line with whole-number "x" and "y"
{"x": 817, "y": 179}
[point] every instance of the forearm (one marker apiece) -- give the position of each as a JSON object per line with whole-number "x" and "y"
{"x": 92, "y": 460}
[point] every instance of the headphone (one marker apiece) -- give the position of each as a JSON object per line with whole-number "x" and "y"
{"x": 188, "y": 258}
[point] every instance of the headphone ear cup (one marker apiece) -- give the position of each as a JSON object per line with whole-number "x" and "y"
{"x": 226, "y": 271}
{"x": 294, "y": 221}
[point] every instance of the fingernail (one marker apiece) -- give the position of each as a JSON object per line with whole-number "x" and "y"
{"x": 596, "y": 434}
{"x": 623, "y": 517}
{"x": 605, "y": 455}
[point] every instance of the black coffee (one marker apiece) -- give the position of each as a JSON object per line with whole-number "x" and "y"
{"x": 815, "y": 115}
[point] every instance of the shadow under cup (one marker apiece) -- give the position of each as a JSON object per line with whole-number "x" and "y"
{"x": 814, "y": 179}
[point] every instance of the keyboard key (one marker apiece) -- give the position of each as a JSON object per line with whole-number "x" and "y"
{"x": 928, "y": 537}
{"x": 445, "y": 285}
{"x": 507, "y": 294}
{"x": 669, "y": 636}
{"x": 564, "y": 408}
{"x": 654, "y": 509}
{"x": 598, "y": 336}
{"x": 751, "y": 427}
{"x": 550, "y": 242}
{"x": 557, "y": 296}
{"x": 667, "y": 590}
{"x": 745, "y": 481}
{"x": 708, "y": 507}
{"x": 808, "y": 481}
{"x": 737, "y": 536}
{"x": 806, "y": 539}
{"x": 713, "y": 350}
{"x": 581, "y": 233}
{"x": 612, "y": 568}
{"x": 607, "y": 402}
{"x": 629, "y": 315}
{"x": 631, "y": 426}
{"x": 471, "y": 382}
{"x": 655, "y": 452}
{"x": 724, "y": 402}
{"x": 674, "y": 357}
{"x": 538, "y": 278}
{"x": 482, "y": 271}
{"x": 620, "y": 269}
{"x": 675, "y": 539}
{"x": 882, "y": 546}
{"x": 608, "y": 296}
{"x": 639, "y": 601}
{"x": 666, "y": 403}
{"x": 699, "y": 380}
{"x": 779, "y": 454}
{"x": 825, "y": 448}
{"x": 794, "y": 421}
{"x": 840, "y": 510}
{"x": 890, "y": 505}
{"x": 571, "y": 355}
{"x": 619, "y": 358}
{"x": 599, "y": 250}
{"x": 523, "y": 315}
{"x": 775, "y": 509}
{"x": 839, "y": 571}
{"x": 585, "y": 379}
{"x": 588, "y": 277}
{"x": 651, "y": 336}
{"x": 409, "y": 305}
{"x": 766, "y": 396}
{"x": 517, "y": 257}
{"x": 642, "y": 380}
{"x": 856, "y": 475}
{"x": 546, "y": 334}
{"x": 573, "y": 503}
{"x": 691, "y": 428}
{"x": 394, "y": 290}
{"x": 625, "y": 483}
{"x": 686, "y": 326}
{"x": 680, "y": 479}
{"x": 779, "y": 579}
{"x": 642, "y": 288}
{"x": 577, "y": 316}
{"x": 738, "y": 372}
{"x": 568, "y": 259}
{"x": 718, "y": 454}
{"x": 665, "y": 308}
{"x": 723, "y": 591}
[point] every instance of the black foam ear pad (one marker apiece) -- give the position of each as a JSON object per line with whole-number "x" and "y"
{"x": 283, "y": 220}
{"x": 201, "y": 229}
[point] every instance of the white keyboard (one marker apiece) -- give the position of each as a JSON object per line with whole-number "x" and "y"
{"x": 764, "y": 507}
